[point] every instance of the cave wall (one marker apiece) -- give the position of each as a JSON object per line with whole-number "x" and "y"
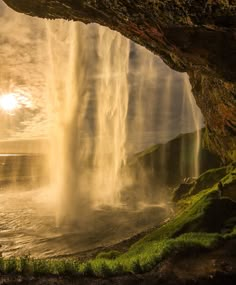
{"x": 193, "y": 36}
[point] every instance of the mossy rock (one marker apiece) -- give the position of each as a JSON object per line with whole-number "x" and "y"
{"x": 215, "y": 215}
{"x": 181, "y": 191}
{"x": 168, "y": 171}
{"x": 208, "y": 179}
{"x": 229, "y": 190}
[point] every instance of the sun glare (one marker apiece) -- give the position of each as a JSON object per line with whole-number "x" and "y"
{"x": 8, "y": 102}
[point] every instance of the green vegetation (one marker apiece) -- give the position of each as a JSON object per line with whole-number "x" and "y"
{"x": 137, "y": 260}
{"x": 204, "y": 221}
{"x": 208, "y": 179}
{"x": 208, "y": 183}
{"x": 109, "y": 255}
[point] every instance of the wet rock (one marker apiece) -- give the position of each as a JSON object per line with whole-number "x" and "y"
{"x": 181, "y": 191}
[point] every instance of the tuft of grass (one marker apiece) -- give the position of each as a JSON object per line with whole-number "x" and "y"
{"x": 42, "y": 267}
{"x": 112, "y": 254}
{"x": 2, "y": 265}
{"x": 66, "y": 267}
{"x": 136, "y": 266}
{"x": 101, "y": 267}
{"x": 26, "y": 265}
{"x": 231, "y": 235}
{"x": 117, "y": 268}
{"x": 86, "y": 269}
{"x": 134, "y": 261}
{"x": 201, "y": 239}
{"x": 13, "y": 266}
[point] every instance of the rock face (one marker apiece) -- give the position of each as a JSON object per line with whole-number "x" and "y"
{"x": 181, "y": 191}
{"x": 196, "y": 36}
{"x": 169, "y": 164}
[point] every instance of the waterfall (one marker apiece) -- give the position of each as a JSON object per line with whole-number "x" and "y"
{"x": 112, "y": 96}
{"x": 94, "y": 105}
{"x": 195, "y": 115}
{"x": 166, "y": 104}
{"x": 88, "y": 71}
{"x": 89, "y": 92}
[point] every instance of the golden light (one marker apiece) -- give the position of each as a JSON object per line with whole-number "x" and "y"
{"x": 8, "y": 102}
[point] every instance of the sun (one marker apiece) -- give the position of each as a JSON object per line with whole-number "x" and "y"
{"x": 8, "y": 102}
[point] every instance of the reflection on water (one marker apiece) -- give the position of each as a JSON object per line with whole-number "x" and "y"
{"x": 27, "y": 225}
{"x": 26, "y": 170}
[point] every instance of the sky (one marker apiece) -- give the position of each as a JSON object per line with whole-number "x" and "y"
{"x": 22, "y": 72}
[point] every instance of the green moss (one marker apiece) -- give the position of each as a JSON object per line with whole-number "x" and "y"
{"x": 231, "y": 235}
{"x": 208, "y": 179}
{"x": 101, "y": 268}
{"x": 108, "y": 255}
{"x": 86, "y": 269}
{"x": 26, "y": 265}
{"x": 12, "y": 265}
{"x": 204, "y": 240}
{"x": 232, "y": 155}
{"x": 192, "y": 213}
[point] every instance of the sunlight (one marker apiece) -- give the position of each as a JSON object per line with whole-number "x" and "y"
{"x": 8, "y": 102}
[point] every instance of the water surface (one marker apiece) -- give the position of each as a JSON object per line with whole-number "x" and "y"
{"x": 27, "y": 225}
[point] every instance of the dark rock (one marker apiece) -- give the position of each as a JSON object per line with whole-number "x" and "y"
{"x": 181, "y": 191}
{"x": 151, "y": 171}
{"x": 216, "y": 214}
{"x": 229, "y": 190}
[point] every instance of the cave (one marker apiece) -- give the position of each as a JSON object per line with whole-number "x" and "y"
{"x": 194, "y": 241}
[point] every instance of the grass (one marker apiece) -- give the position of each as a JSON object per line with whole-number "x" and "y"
{"x": 134, "y": 261}
{"x": 112, "y": 254}
{"x": 203, "y": 222}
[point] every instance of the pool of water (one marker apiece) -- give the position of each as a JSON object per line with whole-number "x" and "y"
{"x": 28, "y": 226}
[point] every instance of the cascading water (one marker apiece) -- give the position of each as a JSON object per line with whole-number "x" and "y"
{"x": 175, "y": 112}
{"x": 87, "y": 154}
{"x": 197, "y": 119}
{"x": 141, "y": 63}
{"x": 112, "y": 96}
{"x": 66, "y": 85}
{"x": 166, "y": 105}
